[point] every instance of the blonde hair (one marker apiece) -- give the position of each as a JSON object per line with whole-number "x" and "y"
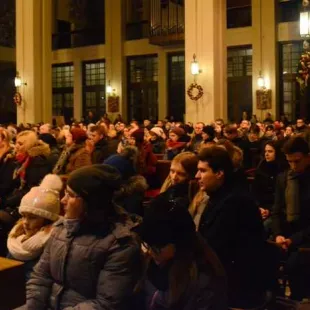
{"x": 31, "y": 138}
{"x": 188, "y": 161}
{"x": 5, "y": 135}
{"x": 19, "y": 230}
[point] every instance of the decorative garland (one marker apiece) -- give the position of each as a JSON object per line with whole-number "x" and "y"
{"x": 190, "y": 90}
{"x": 303, "y": 71}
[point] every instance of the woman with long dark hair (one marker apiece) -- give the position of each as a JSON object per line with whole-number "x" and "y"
{"x": 182, "y": 272}
{"x": 266, "y": 174}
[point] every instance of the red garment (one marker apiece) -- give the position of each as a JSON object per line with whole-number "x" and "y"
{"x": 147, "y": 159}
{"x": 175, "y": 145}
{"x": 24, "y": 161}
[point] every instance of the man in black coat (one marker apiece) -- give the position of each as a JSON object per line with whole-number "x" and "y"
{"x": 100, "y": 143}
{"x": 291, "y": 215}
{"x": 231, "y": 223}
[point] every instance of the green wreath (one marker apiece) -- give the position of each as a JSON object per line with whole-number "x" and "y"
{"x": 190, "y": 90}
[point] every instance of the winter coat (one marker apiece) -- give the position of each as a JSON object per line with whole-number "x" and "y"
{"x": 264, "y": 184}
{"x": 101, "y": 152}
{"x": 159, "y": 145}
{"x": 54, "y": 156}
{"x": 298, "y": 231}
{"x": 81, "y": 270}
{"x": 38, "y": 168}
{"x": 131, "y": 195}
{"x": 78, "y": 158}
{"x": 231, "y": 223}
{"x": 7, "y": 166}
{"x": 207, "y": 292}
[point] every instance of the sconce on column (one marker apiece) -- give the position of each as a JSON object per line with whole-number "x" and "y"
{"x": 195, "y": 66}
{"x": 18, "y": 81}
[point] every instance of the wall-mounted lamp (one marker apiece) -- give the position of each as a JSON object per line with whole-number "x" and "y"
{"x": 110, "y": 90}
{"x": 18, "y": 81}
{"x": 304, "y": 23}
{"x": 195, "y": 66}
{"x": 261, "y": 83}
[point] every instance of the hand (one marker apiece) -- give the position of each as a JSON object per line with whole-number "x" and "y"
{"x": 286, "y": 244}
{"x": 264, "y": 213}
{"x": 280, "y": 240}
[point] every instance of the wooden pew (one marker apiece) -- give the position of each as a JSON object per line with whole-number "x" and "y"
{"x": 12, "y": 284}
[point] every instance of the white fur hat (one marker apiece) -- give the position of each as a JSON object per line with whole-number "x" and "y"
{"x": 43, "y": 200}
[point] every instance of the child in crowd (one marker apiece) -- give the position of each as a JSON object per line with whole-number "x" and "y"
{"x": 39, "y": 208}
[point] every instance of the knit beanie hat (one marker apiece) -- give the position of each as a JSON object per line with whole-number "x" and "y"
{"x": 158, "y": 131}
{"x": 209, "y": 130}
{"x": 178, "y": 131}
{"x": 78, "y": 135}
{"x": 138, "y": 135}
{"x": 48, "y": 139}
{"x": 95, "y": 184}
{"x": 122, "y": 164}
{"x": 43, "y": 200}
{"x": 167, "y": 221}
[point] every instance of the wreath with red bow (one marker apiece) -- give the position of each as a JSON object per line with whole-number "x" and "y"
{"x": 195, "y": 91}
{"x": 303, "y": 70}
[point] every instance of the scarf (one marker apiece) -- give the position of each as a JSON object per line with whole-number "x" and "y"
{"x": 292, "y": 197}
{"x": 64, "y": 158}
{"x": 175, "y": 145}
{"x": 29, "y": 249}
{"x": 20, "y": 172}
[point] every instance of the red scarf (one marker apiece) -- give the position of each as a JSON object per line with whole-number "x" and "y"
{"x": 24, "y": 161}
{"x": 175, "y": 145}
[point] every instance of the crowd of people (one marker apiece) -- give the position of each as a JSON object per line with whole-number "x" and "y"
{"x": 232, "y": 211}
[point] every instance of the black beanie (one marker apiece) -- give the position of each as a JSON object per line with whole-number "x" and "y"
{"x": 210, "y": 131}
{"x": 96, "y": 183}
{"x": 48, "y": 139}
{"x": 166, "y": 221}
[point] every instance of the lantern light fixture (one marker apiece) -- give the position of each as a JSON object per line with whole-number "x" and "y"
{"x": 304, "y": 23}
{"x": 195, "y": 66}
{"x": 109, "y": 88}
{"x": 18, "y": 81}
{"x": 261, "y": 83}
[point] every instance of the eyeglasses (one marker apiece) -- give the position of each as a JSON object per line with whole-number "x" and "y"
{"x": 70, "y": 194}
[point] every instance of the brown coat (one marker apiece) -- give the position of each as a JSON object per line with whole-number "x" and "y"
{"x": 81, "y": 157}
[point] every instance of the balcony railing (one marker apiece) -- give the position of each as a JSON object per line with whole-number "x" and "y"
{"x": 78, "y": 38}
{"x": 137, "y": 30}
{"x": 167, "y": 22}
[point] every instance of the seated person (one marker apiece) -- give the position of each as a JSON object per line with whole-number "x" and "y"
{"x": 39, "y": 208}
{"x": 182, "y": 271}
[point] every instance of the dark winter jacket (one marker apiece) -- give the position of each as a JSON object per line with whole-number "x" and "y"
{"x": 159, "y": 145}
{"x": 264, "y": 184}
{"x": 232, "y": 225}
{"x": 298, "y": 231}
{"x": 82, "y": 270}
{"x": 100, "y": 152}
{"x": 208, "y": 292}
{"x": 131, "y": 195}
{"x": 7, "y": 166}
{"x": 38, "y": 168}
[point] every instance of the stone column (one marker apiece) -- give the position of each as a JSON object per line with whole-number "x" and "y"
{"x": 265, "y": 51}
{"x": 33, "y": 59}
{"x": 114, "y": 51}
{"x": 204, "y": 36}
